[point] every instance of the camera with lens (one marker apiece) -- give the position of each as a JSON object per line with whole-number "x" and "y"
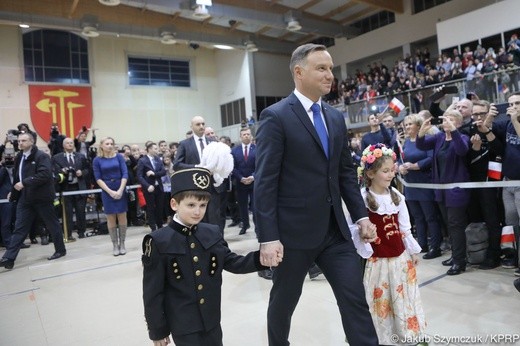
{"x": 373, "y": 109}
{"x": 436, "y": 120}
{"x": 12, "y": 135}
{"x": 71, "y": 174}
{"x": 54, "y": 131}
{"x": 8, "y": 157}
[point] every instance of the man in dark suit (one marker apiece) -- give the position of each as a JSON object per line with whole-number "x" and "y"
{"x": 244, "y": 175}
{"x": 150, "y": 170}
{"x": 188, "y": 155}
{"x": 75, "y": 170}
{"x": 33, "y": 188}
{"x": 303, "y": 170}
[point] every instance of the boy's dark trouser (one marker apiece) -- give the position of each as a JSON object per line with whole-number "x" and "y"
{"x": 210, "y": 338}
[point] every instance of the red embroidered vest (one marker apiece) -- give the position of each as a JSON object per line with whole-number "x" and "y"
{"x": 389, "y": 242}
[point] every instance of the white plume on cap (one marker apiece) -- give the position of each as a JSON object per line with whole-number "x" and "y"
{"x": 217, "y": 158}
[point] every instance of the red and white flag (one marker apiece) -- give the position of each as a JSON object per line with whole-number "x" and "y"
{"x": 495, "y": 170}
{"x": 396, "y": 105}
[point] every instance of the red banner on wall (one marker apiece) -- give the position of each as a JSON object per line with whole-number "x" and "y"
{"x": 70, "y": 107}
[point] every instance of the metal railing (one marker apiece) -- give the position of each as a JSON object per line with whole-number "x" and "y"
{"x": 493, "y": 87}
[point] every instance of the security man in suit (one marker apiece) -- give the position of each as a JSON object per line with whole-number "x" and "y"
{"x": 244, "y": 176}
{"x": 150, "y": 170}
{"x": 33, "y": 188}
{"x": 188, "y": 155}
{"x": 75, "y": 170}
{"x": 303, "y": 171}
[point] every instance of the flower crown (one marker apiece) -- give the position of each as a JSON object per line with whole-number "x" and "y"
{"x": 371, "y": 153}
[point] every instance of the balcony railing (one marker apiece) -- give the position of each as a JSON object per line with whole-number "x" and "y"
{"x": 494, "y": 87}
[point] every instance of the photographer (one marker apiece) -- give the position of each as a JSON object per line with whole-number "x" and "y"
{"x": 75, "y": 169}
{"x": 56, "y": 142}
{"x": 81, "y": 144}
{"x": 6, "y": 209}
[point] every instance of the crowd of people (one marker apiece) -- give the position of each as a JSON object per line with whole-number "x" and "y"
{"x": 297, "y": 231}
{"x": 421, "y": 69}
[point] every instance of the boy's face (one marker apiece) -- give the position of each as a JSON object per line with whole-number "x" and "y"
{"x": 190, "y": 210}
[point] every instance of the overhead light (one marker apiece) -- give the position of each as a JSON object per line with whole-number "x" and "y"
{"x": 293, "y": 25}
{"x": 251, "y": 47}
{"x": 201, "y": 12}
{"x": 90, "y": 31}
{"x": 24, "y": 26}
{"x": 222, "y": 46}
{"x": 110, "y": 2}
{"x": 168, "y": 38}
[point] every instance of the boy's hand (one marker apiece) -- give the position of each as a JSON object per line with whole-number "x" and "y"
{"x": 162, "y": 342}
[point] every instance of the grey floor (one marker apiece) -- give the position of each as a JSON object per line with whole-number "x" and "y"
{"x": 90, "y": 297}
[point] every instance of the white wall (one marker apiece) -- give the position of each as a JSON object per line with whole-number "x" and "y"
{"x": 272, "y": 75}
{"x": 407, "y": 28}
{"x": 493, "y": 19}
{"x": 131, "y": 114}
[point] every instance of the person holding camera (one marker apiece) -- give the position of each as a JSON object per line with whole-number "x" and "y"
{"x": 449, "y": 165}
{"x": 74, "y": 169}
{"x": 56, "y": 142}
{"x": 81, "y": 144}
{"x": 33, "y": 189}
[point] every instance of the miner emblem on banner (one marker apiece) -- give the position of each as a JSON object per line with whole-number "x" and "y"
{"x": 68, "y": 107}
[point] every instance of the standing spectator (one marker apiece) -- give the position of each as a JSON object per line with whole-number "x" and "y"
{"x": 167, "y": 187}
{"x": 189, "y": 154}
{"x": 450, "y": 166}
{"x": 111, "y": 176}
{"x": 81, "y": 144}
{"x": 6, "y": 209}
{"x": 150, "y": 170}
{"x": 163, "y": 149}
{"x": 417, "y": 168}
{"x": 131, "y": 167}
{"x": 308, "y": 151}
{"x": 33, "y": 189}
{"x": 378, "y": 132}
{"x": 244, "y": 176}
{"x": 508, "y": 131}
{"x": 75, "y": 169}
{"x": 56, "y": 141}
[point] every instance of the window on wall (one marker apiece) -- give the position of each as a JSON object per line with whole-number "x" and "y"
{"x": 158, "y": 72}
{"x": 423, "y": 5}
{"x": 52, "y": 56}
{"x": 233, "y": 113}
{"x": 374, "y": 22}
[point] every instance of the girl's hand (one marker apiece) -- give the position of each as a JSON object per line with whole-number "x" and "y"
{"x": 415, "y": 259}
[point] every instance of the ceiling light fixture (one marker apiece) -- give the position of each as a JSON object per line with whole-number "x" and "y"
{"x": 293, "y": 25}
{"x": 201, "y": 12}
{"x": 168, "y": 38}
{"x": 24, "y": 25}
{"x": 110, "y": 2}
{"x": 251, "y": 47}
{"x": 90, "y": 31}
{"x": 222, "y": 46}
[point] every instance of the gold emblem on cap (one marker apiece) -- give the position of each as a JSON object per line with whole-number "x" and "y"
{"x": 201, "y": 181}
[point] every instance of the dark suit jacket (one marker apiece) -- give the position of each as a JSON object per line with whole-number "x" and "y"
{"x": 296, "y": 185}
{"x": 187, "y": 155}
{"x": 5, "y": 182}
{"x": 59, "y": 161}
{"x": 243, "y": 168}
{"x": 144, "y": 165}
{"x": 37, "y": 177}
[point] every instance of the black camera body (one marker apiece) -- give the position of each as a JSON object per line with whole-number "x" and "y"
{"x": 71, "y": 174}
{"x": 8, "y": 161}
{"x": 436, "y": 121}
{"x": 12, "y": 135}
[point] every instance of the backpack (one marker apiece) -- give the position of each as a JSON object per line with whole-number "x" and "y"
{"x": 476, "y": 242}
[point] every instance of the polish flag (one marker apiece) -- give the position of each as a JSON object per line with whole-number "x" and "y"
{"x": 495, "y": 170}
{"x": 508, "y": 237}
{"x": 396, "y": 105}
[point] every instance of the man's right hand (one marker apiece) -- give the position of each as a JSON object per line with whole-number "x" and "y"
{"x": 271, "y": 254}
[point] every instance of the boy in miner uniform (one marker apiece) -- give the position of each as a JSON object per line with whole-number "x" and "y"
{"x": 183, "y": 265}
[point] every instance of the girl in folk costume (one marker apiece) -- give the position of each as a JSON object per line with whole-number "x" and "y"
{"x": 390, "y": 279}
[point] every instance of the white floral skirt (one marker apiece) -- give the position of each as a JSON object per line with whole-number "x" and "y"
{"x": 393, "y": 296}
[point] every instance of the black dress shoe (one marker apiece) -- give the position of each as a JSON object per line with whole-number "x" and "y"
{"x": 266, "y": 274}
{"x": 34, "y": 241}
{"x": 25, "y": 246}
{"x": 243, "y": 230}
{"x": 489, "y": 263}
{"x": 433, "y": 253}
{"x": 45, "y": 240}
{"x": 81, "y": 235}
{"x": 448, "y": 263}
{"x": 456, "y": 269}
{"x": 233, "y": 224}
{"x": 6, "y": 263}
{"x": 71, "y": 239}
{"x": 516, "y": 283}
{"x": 56, "y": 255}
